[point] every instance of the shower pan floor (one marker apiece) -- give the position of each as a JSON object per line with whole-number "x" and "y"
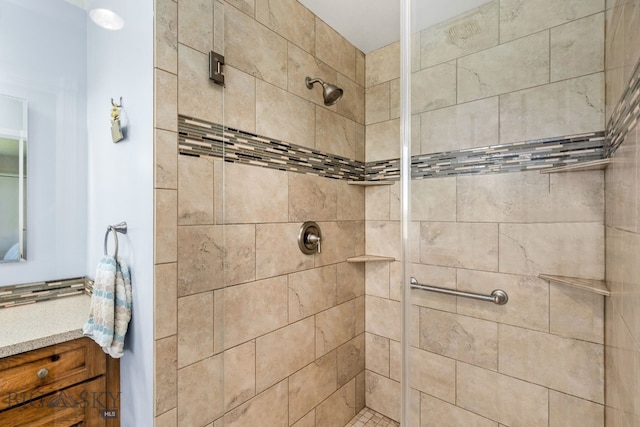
{"x": 370, "y": 418}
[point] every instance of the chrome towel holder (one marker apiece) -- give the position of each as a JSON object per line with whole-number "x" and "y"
{"x": 114, "y": 229}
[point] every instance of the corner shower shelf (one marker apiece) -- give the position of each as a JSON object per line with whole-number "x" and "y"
{"x": 370, "y": 183}
{"x": 584, "y": 166}
{"x": 370, "y": 258}
{"x": 592, "y": 285}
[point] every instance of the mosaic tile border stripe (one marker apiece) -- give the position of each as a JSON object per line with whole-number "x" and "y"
{"x": 200, "y": 138}
{"x": 626, "y": 113}
{"x": 29, "y": 293}
{"x": 516, "y": 157}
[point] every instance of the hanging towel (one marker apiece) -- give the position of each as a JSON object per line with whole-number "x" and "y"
{"x": 110, "y": 310}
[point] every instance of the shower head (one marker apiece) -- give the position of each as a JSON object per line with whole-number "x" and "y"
{"x": 331, "y": 93}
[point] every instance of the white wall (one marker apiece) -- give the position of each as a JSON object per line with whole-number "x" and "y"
{"x": 48, "y": 68}
{"x": 120, "y": 180}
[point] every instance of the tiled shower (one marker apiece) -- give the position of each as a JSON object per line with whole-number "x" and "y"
{"x": 251, "y": 332}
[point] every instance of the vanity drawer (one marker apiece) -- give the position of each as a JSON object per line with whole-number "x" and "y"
{"x": 31, "y": 375}
{"x": 73, "y": 406}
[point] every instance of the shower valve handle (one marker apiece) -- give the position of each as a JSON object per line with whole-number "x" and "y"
{"x": 313, "y": 239}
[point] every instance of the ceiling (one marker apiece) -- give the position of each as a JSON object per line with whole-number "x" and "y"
{"x": 372, "y": 24}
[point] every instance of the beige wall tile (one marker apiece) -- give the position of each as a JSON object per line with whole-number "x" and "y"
{"x": 564, "y": 108}
{"x": 196, "y": 89}
{"x": 166, "y": 374}
{"x": 312, "y": 198}
{"x": 377, "y": 203}
{"x": 463, "y": 338}
{"x": 382, "y": 395}
{"x": 195, "y": 328}
{"x": 377, "y": 279}
{"x": 351, "y": 104}
{"x": 283, "y": 352}
{"x": 566, "y": 249}
{"x": 335, "y": 50}
{"x": 395, "y": 360}
{"x": 290, "y": 19}
{"x": 433, "y": 87}
{"x": 531, "y": 197}
{"x": 166, "y": 226}
{"x": 528, "y": 304}
{"x": 267, "y": 408}
{"x": 577, "y": 48}
{"x": 360, "y": 314}
{"x": 569, "y": 411}
{"x": 264, "y": 307}
{"x": 350, "y": 360}
{"x": 166, "y": 303}
{"x": 340, "y": 240}
{"x": 335, "y": 134}
{"x": 377, "y": 355}
{"x": 284, "y": 116}
{"x": 339, "y": 408}
{"x": 166, "y": 99}
{"x": 308, "y": 420}
{"x": 449, "y": 415}
{"x": 351, "y": 281}
{"x": 200, "y": 259}
{"x": 254, "y": 194}
{"x": 200, "y": 402}
{"x": 360, "y": 67}
{"x": 253, "y": 48}
{"x": 311, "y": 291}
{"x": 334, "y": 327}
{"x": 501, "y": 398}
{"x": 239, "y": 254}
{"x": 383, "y": 317}
{"x": 572, "y": 366}
{"x": 377, "y": 103}
{"x": 247, "y": 6}
{"x": 382, "y": 141}
{"x": 276, "y": 255}
{"x": 465, "y": 34}
{"x": 382, "y": 65}
{"x": 621, "y": 184}
{"x": 474, "y": 124}
{"x": 383, "y": 238}
{"x": 195, "y": 24}
{"x": 351, "y": 202}
{"x": 519, "y": 18}
{"x": 195, "y": 190}
{"x": 433, "y": 199}
{"x": 239, "y": 374}
{"x": 168, "y": 419}
{"x": 166, "y": 35}
{"x": 239, "y": 100}
{"x": 302, "y": 398}
{"x": 360, "y": 392}
{"x": 466, "y": 245}
{"x": 505, "y": 68}
{"x": 433, "y": 374}
{"x": 166, "y": 159}
{"x": 575, "y": 313}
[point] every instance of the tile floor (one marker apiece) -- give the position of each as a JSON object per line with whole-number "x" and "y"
{"x": 370, "y": 418}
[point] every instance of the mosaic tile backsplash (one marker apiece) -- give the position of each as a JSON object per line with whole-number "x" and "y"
{"x": 29, "y": 293}
{"x": 626, "y": 113}
{"x": 201, "y": 138}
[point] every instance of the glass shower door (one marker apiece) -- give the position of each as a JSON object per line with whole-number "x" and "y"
{"x": 503, "y": 93}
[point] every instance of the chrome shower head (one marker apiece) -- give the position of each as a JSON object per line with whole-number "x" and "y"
{"x": 331, "y": 93}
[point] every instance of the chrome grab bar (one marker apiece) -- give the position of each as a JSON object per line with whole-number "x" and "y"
{"x": 498, "y": 296}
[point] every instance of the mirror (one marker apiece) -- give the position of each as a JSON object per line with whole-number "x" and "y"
{"x": 13, "y": 178}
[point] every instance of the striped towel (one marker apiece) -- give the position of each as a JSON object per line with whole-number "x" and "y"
{"x": 110, "y": 310}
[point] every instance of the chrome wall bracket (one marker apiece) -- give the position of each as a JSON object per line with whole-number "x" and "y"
{"x": 309, "y": 238}
{"x": 216, "y": 61}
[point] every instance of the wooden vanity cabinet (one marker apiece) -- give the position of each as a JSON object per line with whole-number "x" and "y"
{"x": 70, "y": 384}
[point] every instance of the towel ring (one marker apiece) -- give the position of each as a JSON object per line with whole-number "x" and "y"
{"x": 114, "y": 229}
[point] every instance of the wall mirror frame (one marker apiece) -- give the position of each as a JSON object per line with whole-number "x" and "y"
{"x": 13, "y": 178}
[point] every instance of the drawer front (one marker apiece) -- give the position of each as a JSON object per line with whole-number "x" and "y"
{"x": 80, "y": 405}
{"x": 31, "y": 375}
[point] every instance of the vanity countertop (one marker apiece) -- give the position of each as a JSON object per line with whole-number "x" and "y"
{"x": 32, "y": 326}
